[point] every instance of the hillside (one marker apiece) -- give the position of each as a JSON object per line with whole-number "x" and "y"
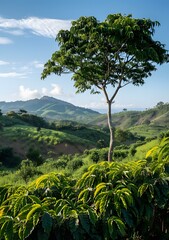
{"x": 51, "y": 108}
{"x": 157, "y": 116}
{"x": 20, "y": 132}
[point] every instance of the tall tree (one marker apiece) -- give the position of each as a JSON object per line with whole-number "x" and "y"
{"x": 116, "y": 52}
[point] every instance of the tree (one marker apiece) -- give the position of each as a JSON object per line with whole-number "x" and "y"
{"x": 34, "y": 155}
{"x": 116, "y": 52}
{"x": 21, "y": 111}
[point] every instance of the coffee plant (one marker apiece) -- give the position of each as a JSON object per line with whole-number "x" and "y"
{"x": 118, "y": 200}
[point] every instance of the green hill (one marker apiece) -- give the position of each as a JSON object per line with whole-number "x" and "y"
{"x": 20, "y": 132}
{"x": 51, "y": 108}
{"x": 155, "y": 118}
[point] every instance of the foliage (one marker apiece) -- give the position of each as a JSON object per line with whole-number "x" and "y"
{"x": 75, "y": 163}
{"x": 27, "y": 170}
{"x": 110, "y": 201}
{"x": 97, "y": 155}
{"x": 8, "y": 158}
{"x": 34, "y": 155}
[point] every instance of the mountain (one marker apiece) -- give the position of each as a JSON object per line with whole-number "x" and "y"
{"x": 51, "y": 108}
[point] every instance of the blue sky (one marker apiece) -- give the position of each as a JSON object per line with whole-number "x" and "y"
{"x": 27, "y": 40}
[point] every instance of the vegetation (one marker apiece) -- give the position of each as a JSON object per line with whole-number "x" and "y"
{"x": 110, "y": 201}
{"x": 50, "y": 108}
{"x": 55, "y": 180}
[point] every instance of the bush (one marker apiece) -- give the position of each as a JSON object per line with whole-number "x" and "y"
{"x": 8, "y": 158}
{"x": 27, "y": 170}
{"x": 133, "y": 151}
{"x": 120, "y": 154}
{"x": 75, "y": 163}
{"x": 60, "y": 163}
{"x": 97, "y": 155}
{"x": 35, "y": 156}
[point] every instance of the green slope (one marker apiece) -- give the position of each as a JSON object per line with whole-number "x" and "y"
{"x": 157, "y": 116}
{"x": 51, "y": 108}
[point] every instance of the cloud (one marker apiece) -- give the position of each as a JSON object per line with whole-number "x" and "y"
{"x": 37, "y": 64}
{"x": 56, "y": 91}
{"x": 100, "y": 104}
{"x": 14, "y": 32}
{"x": 4, "y": 40}
{"x": 3, "y": 63}
{"x": 44, "y": 91}
{"x": 27, "y": 93}
{"x": 39, "y": 26}
{"x": 12, "y": 74}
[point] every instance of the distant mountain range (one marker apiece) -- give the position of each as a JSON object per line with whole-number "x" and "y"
{"x": 51, "y": 108}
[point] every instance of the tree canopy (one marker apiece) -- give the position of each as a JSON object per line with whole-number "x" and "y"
{"x": 116, "y": 52}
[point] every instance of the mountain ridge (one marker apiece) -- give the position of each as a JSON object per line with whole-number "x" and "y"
{"x": 51, "y": 108}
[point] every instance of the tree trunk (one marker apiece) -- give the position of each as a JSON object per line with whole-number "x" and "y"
{"x": 110, "y": 152}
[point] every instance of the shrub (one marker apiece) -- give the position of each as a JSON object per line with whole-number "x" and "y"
{"x": 60, "y": 163}
{"x": 75, "y": 163}
{"x": 35, "y": 156}
{"x": 133, "y": 150}
{"x": 120, "y": 154}
{"x": 8, "y": 158}
{"x": 27, "y": 170}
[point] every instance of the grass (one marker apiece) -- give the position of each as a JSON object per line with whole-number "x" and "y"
{"x": 21, "y": 138}
{"x": 147, "y": 131}
{"x": 142, "y": 150}
{"x": 70, "y": 165}
{"x": 71, "y": 168}
{"x": 27, "y": 133}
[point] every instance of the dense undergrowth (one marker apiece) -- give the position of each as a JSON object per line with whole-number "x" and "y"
{"x": 118, "y": 200}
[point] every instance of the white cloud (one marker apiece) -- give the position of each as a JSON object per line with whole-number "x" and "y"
{"x": 14, "y": 32}
{"x": 44, "y": 91}
{"x": 56, "y": 91}
{"x": 27, "y": 93}
{"x": 3, "y": 63}
{"x": 39, "y": 26}
{"x": 95, "y": 105}
{"x": 100, "y": 104}
{"x": 12, "y": 74}
{"x": 37, "y": 64}
{"x": 4, "y": 40}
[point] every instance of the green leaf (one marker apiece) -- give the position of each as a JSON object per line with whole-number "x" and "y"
{"x": 35, "y": 208}
{"x": 83, "y": 195}
{"x": 28, "y": 229}
{"x": 66, "y": 211}
{"x": 24, "y": 211}
{"x": 151, "y": 190}
{"x": 151, "y": 151}
{"x": 73, "y": 224}
{"x": 36, "y": 218}
{"x": 92, "y": 216}
{"x": 143, "y": 188}
{"x": 99, "y": 187}
{"x": 116, "y": 226}
{"x": 47, "y": 222}
{"x": 121, "y": 226}
{"x": 84, "y": 220}
{"x": 35, "y": 199}
{"x": 7, "y": 229}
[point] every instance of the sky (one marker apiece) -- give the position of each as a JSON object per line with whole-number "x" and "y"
{"x": 28, "y": 29}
